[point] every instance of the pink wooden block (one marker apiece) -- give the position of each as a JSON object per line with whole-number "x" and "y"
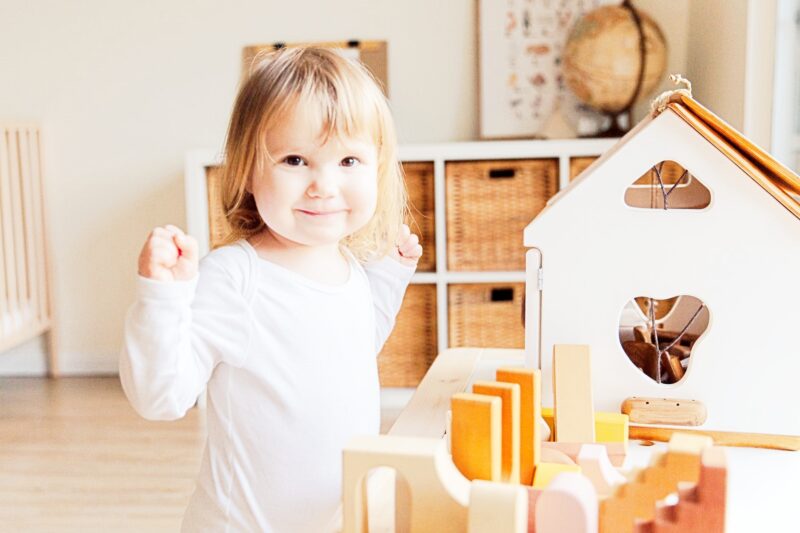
{"x": 567, "y": 505}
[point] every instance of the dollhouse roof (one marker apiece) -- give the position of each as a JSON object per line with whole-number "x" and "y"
{"x": 771, "y": 175}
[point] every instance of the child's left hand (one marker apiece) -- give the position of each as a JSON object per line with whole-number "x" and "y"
{"x": 408, "y": 250}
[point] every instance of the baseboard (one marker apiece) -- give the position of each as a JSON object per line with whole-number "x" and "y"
{"x": 30, "y": 360}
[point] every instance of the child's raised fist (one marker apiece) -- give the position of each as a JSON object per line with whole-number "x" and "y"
{"x": 408, "y": 248}
{"x": 168, "y": 255}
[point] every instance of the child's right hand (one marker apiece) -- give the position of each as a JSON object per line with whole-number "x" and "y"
{"x": 168, "y": 255}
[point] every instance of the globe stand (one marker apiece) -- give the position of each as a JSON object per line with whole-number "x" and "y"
{"x": 621, "y": 120}
{"x": 620, "y": 124}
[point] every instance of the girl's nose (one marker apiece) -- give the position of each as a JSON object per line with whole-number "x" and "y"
{"x": 322, "y": 186}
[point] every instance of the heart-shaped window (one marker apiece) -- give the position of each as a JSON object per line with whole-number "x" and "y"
{"x": 658, "y": 336}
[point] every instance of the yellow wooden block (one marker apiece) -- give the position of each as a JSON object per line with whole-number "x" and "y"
{"x": 475, "y": 435}
{"x": 530, "y": 400}
{"x": 547, "y": 416}
{"x": 611, "y": 427}
{"x": 509, "y": 394}
{"x": 608, "y": 427}
{"x": 572, "y": 393}
{"x": 545, "y": 472}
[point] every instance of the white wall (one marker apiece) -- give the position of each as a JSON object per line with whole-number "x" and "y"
{"x": 719, "y": 26}
{"x": 125, "y": 88}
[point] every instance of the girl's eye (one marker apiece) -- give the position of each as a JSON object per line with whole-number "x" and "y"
{"x": 294, "y": 160}
{"x": 350, "y": 161}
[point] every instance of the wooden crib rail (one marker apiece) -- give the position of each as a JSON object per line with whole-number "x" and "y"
{"x": 25, "y": 294}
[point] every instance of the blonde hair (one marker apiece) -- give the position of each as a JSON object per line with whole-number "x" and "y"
{"x": 350, "y": 102}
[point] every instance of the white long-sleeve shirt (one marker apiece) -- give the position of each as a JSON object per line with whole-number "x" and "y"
{"x": 290, "y": 366}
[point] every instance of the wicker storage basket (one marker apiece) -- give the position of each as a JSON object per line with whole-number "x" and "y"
{"x": 419, "y": 181}
{"x": 218, "y": 226}
{"x": 578, "y": 165}
{"x": 489, "y": 203}
{"x": 486, "y": 315}
{"x": 411, "y": 348}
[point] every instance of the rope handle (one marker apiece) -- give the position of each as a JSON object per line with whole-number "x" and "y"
{"x": 661, "y": 101}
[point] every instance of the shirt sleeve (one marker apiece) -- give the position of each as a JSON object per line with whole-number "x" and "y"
{"x": 176, "y": 333}
{"x": 388, "y": 280}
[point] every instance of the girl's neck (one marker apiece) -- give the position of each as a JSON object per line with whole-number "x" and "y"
{"x": 324, "y": 264}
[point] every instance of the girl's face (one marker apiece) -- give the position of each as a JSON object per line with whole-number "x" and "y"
{"x": 315, "y": 194}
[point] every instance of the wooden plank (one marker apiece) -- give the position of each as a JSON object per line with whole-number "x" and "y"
{"x": 26, "y": 218}
{"x": 476, "y": 435}
{"x": 6, "y": 212}
{"x": 17, "y": 223}
{"x": 37, "y": 194}
{"x": 721, "y": 438}
{"x": 530, "y": 388}
{"x": 572, "y": 394}
{"x": 426, "y": 412}
{"x": 509, "y": 394}
{"x": 4, "y": 281}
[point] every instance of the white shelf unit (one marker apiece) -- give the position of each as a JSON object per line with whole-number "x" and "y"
{"x": 437, "y": 154}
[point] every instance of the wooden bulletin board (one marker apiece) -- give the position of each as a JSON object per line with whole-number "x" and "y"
{"x": 371, "y": 53}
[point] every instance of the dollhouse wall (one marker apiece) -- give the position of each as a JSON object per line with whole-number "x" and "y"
{"x": 735, "y": 255}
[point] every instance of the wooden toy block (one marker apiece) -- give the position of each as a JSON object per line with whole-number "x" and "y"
{"x": 509, "y": 394}
{"x": 595, "y": 465}
{"x": 433, "y": 495}
{"x": 611, "y": 427}
{"x": 530, "y": 399}
{"x": 552, "y": 455}
{"x": 608, "y": 427}
{"x": 497, "y": 507}
{"x": 545, "y": 472}
{"x": 674, "y": 411}
{"x": 636, "y": 499}
{"x": 700, "y": 507}
{"x": 568, "y": 505}
{"x": 475, "y": 436}
{"x": 572, "y": 394}
{"x": 616, "y": 451}
{"x": 533, "y": 497}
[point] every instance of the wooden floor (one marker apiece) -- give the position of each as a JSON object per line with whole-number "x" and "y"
{"x": 74, "y": 456}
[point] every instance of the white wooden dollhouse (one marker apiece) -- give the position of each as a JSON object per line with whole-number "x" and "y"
{"x": 733, "y": 244}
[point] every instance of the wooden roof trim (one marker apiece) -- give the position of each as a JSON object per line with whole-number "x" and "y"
{"x": 738, "y": 152}
{"x": 786, "y": 178}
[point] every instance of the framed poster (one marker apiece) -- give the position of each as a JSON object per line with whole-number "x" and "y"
{"x": 371, "y": 53}
{"x": 522, "y": 93}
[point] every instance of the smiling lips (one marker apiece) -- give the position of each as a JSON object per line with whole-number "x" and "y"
{"x": 321, "y": 213}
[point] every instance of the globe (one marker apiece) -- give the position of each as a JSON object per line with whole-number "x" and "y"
{"x": 602, "y": 58}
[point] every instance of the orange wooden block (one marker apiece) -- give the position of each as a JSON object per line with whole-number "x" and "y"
{"x": 475, "y": 435}
{"x": 530, "y": 401}
{"x": 509, "y": 394}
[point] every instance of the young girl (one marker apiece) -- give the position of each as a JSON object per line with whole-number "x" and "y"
{"x": 283, "y": 324}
